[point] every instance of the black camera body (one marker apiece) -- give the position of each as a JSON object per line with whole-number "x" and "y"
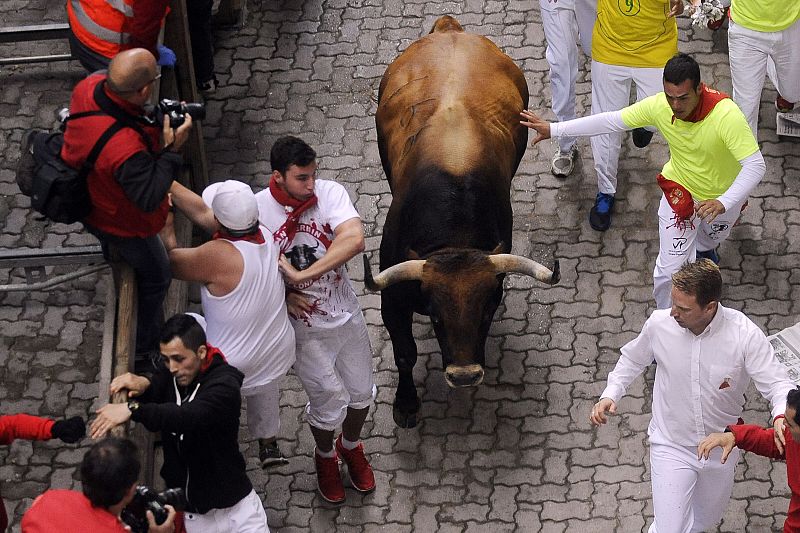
{"x": 146, "y": 499}
{"x": 176, "y": 111}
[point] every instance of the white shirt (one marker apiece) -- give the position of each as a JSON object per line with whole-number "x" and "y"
{"x": 700, "y": 379}
{"x": 332, "y": 297}
{"x": 250, "y": 324}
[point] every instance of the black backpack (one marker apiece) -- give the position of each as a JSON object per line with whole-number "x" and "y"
{"x": 57, "y": 190}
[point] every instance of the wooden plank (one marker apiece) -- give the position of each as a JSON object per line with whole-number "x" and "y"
{"x": 176, "y": 37}
{"x": 125, "y": 329}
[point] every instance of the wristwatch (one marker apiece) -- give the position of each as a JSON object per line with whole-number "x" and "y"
{"x": 133, "y": 405}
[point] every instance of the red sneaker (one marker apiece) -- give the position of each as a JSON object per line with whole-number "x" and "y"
{"x": 357, "y": 466}
{"x": 783, "y": 105}
{"x": 329, "y": 479}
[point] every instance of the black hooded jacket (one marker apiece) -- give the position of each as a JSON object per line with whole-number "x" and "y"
{"x": 200, "y": 436}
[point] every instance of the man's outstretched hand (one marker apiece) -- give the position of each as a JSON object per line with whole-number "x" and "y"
{"x": 534, "y": 122}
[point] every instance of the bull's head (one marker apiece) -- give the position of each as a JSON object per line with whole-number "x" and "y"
{"x": 462, "y": 290}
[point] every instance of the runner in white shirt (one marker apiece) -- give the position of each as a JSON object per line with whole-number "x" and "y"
{"x": 706, "y": 355}
{"x": 318, "y": 231}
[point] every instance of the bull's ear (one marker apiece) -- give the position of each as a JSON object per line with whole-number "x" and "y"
{"x": 499, "y": 249}
{"x": 411, "y": 254}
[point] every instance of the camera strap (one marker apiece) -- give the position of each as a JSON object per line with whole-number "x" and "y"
{"x": 111, "y": 109}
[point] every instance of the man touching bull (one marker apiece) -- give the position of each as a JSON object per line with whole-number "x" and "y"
{"x": 714, "y": 164}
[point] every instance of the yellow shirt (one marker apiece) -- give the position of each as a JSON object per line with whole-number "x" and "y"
{"x": 765, "y": 15}
{"x": 634, "y": 33}
{"x": 704, "y": 155}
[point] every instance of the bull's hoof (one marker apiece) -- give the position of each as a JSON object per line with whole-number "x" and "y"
{"x": 404, "y": 419}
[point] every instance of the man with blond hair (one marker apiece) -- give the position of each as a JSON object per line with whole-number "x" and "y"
{"x": 706, "y": 356}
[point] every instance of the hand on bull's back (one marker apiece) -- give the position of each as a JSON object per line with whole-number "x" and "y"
{"x": 535, "y": 122}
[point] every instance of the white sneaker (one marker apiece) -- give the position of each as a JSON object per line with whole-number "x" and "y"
{"x": 563, "y": 162}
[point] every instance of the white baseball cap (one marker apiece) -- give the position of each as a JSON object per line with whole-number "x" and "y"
{"x": 233, "y": 203}
{"x": 199, "y": 318}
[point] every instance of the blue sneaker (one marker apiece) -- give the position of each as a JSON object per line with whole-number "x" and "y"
{"x": 709, "y": 254}
{"x": 600, "y": 215}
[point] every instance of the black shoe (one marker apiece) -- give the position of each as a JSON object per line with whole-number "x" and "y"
{"x": 641, "y": 137}
{"x": 709, "y": 254}
{"x": 27, "y": 163}
{"x": 270, "y": 455}
{"x": 600, "y": 214}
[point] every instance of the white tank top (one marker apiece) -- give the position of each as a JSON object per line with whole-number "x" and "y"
{"x": 250, "y": 324}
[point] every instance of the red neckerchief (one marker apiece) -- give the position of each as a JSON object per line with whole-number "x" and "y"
{"x": 709, "y": 98}
{"x": 679, "y": 199}
{"x": 289, "y": 228}
{"x": 210, "y": 355}
{"x": 255, "y": 238}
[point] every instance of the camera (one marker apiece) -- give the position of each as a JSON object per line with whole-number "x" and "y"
{"x": 146, "y": 499}
{"x": 176, "y": 111}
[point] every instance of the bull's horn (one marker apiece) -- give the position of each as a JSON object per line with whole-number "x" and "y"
{"x": 405, "y": 271}
{"x": 522, "y": 265}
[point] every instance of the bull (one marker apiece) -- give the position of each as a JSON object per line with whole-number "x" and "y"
{"x": 450, "y": 142}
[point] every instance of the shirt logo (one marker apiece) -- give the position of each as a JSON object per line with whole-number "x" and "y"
{"x": 629, "y": 8}
{"x": 726, "y": 383}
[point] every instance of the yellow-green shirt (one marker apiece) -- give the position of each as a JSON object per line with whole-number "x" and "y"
{"x": 634, "y": 33}
{"x": 704, "y": 155}
{"x": 765, "y": 15}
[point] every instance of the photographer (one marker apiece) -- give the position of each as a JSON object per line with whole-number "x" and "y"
{"x": 129, "y": 182}
{"x": 108, "y": 475}
{"x": 195, "y": 402}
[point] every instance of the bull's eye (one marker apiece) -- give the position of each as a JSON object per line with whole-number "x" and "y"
{"x": 435, "y": 321}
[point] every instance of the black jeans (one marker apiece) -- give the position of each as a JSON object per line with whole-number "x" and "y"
{"x": 200, "y": 31}
{"x": 90, "y": 60}
{"x": 149, "y": 260}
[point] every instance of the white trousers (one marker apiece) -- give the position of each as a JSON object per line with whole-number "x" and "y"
{"x": 247, "y": 516}
{"x": 562, "y": 30}
{"x": 335, "y": 368}
{"x": 611, "y": 90}
{"x": 678, "y": 244}
{"x": 754, "y": 54}
{"x": 263, "y": 410}
{"x": 689, "y": 494}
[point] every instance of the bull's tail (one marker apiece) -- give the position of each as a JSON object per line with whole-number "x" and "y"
{"x": 446, "y": 23}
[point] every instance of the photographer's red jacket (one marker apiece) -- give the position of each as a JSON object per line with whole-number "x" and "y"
{"x": 130, "y": 180}
{"x": 75, "y": 515}
{"x": 760, "y": 441}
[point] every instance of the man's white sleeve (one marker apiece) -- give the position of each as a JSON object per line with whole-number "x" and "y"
{"x": 753, "y": 169}
{"x": 608, "y": 122}
{"x": 635, "y": 357}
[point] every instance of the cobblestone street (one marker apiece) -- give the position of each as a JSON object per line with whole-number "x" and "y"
{"x": 514, "y": 454}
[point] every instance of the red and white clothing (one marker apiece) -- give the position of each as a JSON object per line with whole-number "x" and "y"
{"x": 763, "y": 39}
{"x": 565, "y": 23}
{"x": 760, "y": 441}
{"x": 251, "y": 327}
{"x": 334, "y": 358}
{"x": 68, "y": 511}
{"x": 699, "y": 389}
